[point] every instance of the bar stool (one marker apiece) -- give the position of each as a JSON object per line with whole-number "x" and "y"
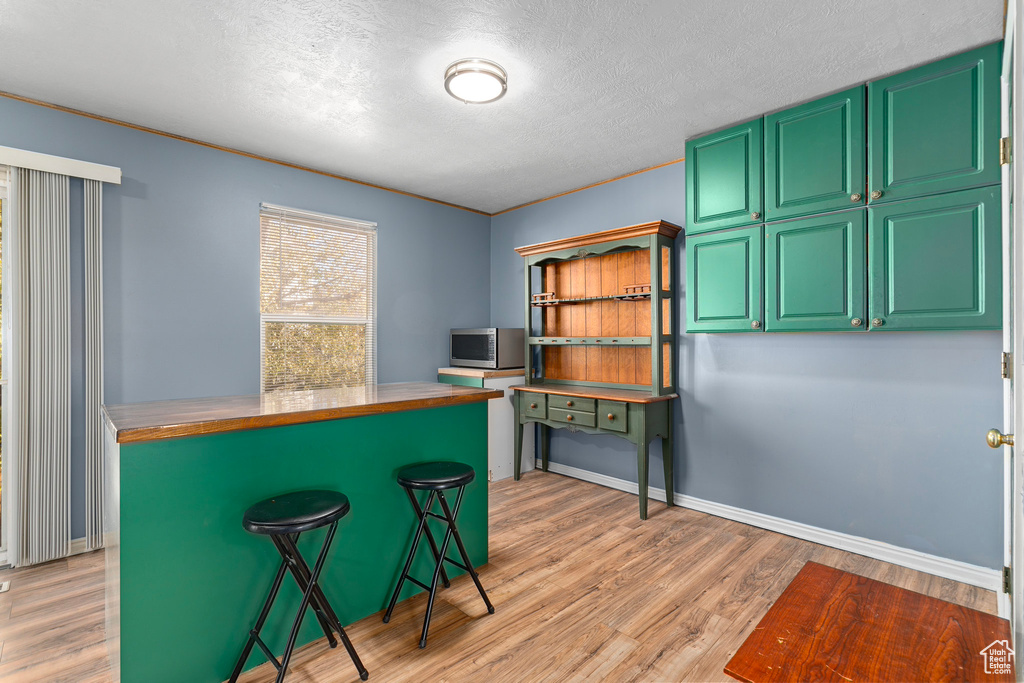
{"x": 436, "y": 478}
{"x": 283, "y": 519}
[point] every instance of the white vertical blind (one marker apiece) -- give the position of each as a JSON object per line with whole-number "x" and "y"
{"x": 41, "y": 265}
{"x": 318, "y": 288}
{"x": 93, "y": 364}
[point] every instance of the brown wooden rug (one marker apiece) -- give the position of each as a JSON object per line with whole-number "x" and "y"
{"x": 830, "y": 625}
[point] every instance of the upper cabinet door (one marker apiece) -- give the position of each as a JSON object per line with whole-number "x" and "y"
{"x": 815, "y": 157}
{"x": 935, "y": 262}
{"x": 935, "y": 128}
{"x": 724, "y": 179}
{"x": 816, "y": 274}
{"x": 724, "y": 273}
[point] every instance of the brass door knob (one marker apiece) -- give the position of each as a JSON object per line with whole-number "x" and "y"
{"x": 569, "y": 403}
{"x": 856, "y": 322}
{"x": 755, "y": 215}
{"x": 856, "y": 197}
{"x": 996, "y": 438}
{"x": 533, "y": 405}
{"x": 569, "y": 418}
{"x": 877, "y": 322}
{"x": 755, "y": 324}
{"x": 611, "y": 416}
{"x": 876, "y": 194}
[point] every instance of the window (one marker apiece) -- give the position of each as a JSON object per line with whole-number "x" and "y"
{"x": 318, "y": 300}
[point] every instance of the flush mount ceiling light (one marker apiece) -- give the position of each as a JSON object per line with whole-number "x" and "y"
{"x": 475, "y": 81}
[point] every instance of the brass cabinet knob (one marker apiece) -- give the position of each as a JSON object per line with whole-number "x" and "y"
{"x": 856, "y": 322}
{"x": 533, "y": 405}
{"x": 569, "y": 418}
{"x": 856, "y": 197}
{"x": 755, "y": 215}
{"x": 996, "y": 438}
{"x": 569, "y": 403}
{"x": 876, "y": 194}
{"x": 755, "y": 324}
{"x": 611, "y": 416}
{"x": 877, "y": 322}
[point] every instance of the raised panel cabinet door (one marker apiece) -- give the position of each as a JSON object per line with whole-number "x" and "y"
{"x": 815, "y": 157}
{"x": 815, "y": 273}
{"x": 935, "y": 263}
{"x": 724, "y": 277}
{"x": 935, "y": 128}
{"x": 724, "y": 178}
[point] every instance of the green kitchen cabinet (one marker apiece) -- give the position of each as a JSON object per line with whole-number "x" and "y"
{"x": 460, "y": 380}
{"x": 724, "y": 277}
{"x": 724, "y": 178}
{"x": 816, "y": 274}
{"x": 814, "y": 156}
{"x": 936, "y": 128}
{"x": 935, "y": 262}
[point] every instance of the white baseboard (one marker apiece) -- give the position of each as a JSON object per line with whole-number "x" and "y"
{"x": 983, "y": 577}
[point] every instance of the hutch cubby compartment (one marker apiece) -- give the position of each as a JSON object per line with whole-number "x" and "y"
{"x": 600, "y": 347}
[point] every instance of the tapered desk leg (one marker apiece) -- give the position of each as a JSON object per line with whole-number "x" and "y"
{"x": 518, "y": 429}
{"x": 666, "y": 456}
{"x": 641, "y": 465}
{"x": 545, "y": 446}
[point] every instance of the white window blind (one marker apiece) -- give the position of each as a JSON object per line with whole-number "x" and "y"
{"x": 318, "y": 300}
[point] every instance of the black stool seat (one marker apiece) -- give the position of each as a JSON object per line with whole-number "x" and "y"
{"x": 436, "y": 476}
{"x": 296, "y": 512}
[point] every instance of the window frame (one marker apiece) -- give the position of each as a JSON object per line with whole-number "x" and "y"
{"x": 370, "y": 322}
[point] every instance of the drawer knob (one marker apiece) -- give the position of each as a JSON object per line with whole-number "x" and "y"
{"x": 755, "y": 215}
{"x": 569, "y": 403}
{"x": 533, "y": 405}
{"x": 876, "y": 194}
{"x": 877, "y": 322}
{"x": 855, "y": 197}
{"x": 611, "y": 416}
{"x": 569, "y": 418}
{"x": 856, "y": 322}
{"x": 755, "y": 324}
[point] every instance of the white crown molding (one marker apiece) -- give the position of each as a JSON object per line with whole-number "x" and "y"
{"x": 983, "y": 577}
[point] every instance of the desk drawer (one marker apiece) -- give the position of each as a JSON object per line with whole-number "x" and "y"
{"x": 573, "y": 417}
{"x": 533, "y": 405}
{"x": 612, "y": 415}
{"x": 571, "y": 403}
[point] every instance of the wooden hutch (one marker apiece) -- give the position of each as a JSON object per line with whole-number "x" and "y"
{"x": 600, "y": 341}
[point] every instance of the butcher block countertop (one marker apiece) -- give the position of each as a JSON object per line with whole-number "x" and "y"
{"x": 153, "y": 421}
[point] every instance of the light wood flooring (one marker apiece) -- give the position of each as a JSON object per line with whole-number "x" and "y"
{"x": 583, "y": 590}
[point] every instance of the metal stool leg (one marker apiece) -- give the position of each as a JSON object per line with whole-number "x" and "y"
{"x": 254, "y": 633}
{"x": 408, "y": 561}
{"x": 462, "y": 548}
{"x": 437, "y": 574}
{"x": 430, "y": 536}
{"x": 300, "y": 572}
{"x": 327, "y": 611}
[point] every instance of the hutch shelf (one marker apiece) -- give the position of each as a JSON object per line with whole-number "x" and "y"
{"x": 600, "y": 341}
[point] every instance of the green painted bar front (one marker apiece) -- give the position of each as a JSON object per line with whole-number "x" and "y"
{"x": 192, "y": 581}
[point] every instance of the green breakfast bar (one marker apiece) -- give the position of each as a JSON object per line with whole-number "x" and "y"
{"x": 185, "y": 581}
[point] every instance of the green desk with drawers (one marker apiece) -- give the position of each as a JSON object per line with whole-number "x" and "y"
{"x": 633, "y": 415}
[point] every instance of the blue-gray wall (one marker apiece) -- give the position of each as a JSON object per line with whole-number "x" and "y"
{"x": 181, "y": 262}
{"x": 879, "y": 435}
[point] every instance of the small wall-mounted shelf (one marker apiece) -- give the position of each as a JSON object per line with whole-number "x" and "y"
{"x": 632, "y": 296}
{"x": 575, "y": 341}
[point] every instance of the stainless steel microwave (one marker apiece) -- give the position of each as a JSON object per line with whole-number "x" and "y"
{"x": 487, "y": 347}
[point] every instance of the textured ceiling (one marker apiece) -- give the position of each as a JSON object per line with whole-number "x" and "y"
{"x": 354, "y": 87}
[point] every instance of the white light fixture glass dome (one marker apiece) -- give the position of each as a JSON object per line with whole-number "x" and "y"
{"x": 475, "y": 81}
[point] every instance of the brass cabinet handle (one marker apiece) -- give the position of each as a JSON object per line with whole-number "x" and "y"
{"x": 611, "y": 416}
{"x": 856, "y": 197}
{"x": 569, "y": 403}
{"x": 877, "y": 322}
{"x": 533, "y": 405}
{"x": 856, "y": 322}
{"x": 996, "y": 438}
{"x": 568, "y": 418}
{"x": 755, "y": 324}
{"x": 755, "y": 215}
{"x": 876, "y": 194}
